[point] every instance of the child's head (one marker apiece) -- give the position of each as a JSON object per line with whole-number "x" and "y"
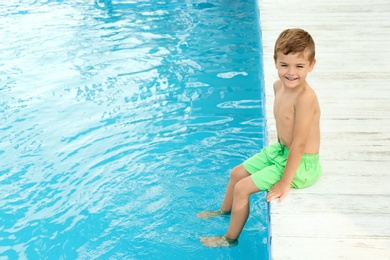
{"x": 292, "y": 41}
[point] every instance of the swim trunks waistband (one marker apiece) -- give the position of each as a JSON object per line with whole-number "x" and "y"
{"x": 305, "y": 156}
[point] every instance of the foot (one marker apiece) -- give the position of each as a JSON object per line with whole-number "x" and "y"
{"x": 218, "y": 241}
{"x": 212, "y": 214}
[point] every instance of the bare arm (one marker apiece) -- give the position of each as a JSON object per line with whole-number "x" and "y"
{"x": 304, "y": 111}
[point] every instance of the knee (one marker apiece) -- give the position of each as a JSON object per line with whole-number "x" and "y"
{"x": 240, "y": 190}
{"x": 238, "y": 173}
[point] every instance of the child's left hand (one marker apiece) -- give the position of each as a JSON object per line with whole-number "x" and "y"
{"x": 279, "y": 190}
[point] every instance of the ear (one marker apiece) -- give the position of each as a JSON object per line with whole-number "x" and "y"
{"x": 312, "y": 64}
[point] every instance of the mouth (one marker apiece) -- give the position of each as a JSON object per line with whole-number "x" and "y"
{"x": 291, "y": 78}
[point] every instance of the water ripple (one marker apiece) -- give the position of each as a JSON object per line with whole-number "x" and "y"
{"x": 121, "y": 120}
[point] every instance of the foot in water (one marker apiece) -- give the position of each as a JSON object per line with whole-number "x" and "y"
{"x": 218, "y": 241}
{"x": 212, "y": 214}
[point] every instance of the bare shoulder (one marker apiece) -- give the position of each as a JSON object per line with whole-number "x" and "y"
{"x": 308, "y": 98}
{"x": 277, "y": 85}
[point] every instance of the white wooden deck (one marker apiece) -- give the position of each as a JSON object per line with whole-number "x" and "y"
{"x": 346, "y": 215}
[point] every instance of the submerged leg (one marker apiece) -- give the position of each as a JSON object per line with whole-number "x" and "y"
{"x": 218, "y": 242}
{"x": 240, "y": 212}
{"x": 239, "y": 215}
{"x": 238, "y": 173}
{"x": 212, "y": 214}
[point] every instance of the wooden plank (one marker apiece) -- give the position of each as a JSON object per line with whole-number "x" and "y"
{"x": 331, "y": 248}
{"x": 346, "y": 214}
{"x": 332, "y": 224}
{"x": 337, "y": 185}
{"x": 309, "y": 203}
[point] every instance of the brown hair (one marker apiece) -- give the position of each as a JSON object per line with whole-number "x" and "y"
{"x": 294, "y": 41}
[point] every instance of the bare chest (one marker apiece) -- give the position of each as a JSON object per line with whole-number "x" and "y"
{"x": 284, "y": 111}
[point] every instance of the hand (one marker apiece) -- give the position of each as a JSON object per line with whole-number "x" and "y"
{"x": 279, "y": 190}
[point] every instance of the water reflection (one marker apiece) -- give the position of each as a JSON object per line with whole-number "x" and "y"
{"x": 118, "y": 116}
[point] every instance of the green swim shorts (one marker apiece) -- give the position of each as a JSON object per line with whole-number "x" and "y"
{"x": 267, "y": 167}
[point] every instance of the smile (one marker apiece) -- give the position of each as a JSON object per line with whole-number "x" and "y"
{"x": 291, "y": 79}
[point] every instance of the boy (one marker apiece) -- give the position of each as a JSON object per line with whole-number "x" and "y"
{"x": 293, "y": 160}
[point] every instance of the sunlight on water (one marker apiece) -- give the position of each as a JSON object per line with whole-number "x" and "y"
{"x": 120, "y": 121}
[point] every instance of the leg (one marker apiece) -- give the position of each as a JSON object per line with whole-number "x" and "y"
{"x": 238, "y": 173}
{"x": 240, "y": 211}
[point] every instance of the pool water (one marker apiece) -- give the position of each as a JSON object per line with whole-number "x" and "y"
{"x": 121, "y": 121}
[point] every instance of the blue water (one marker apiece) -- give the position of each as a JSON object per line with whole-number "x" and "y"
{"x": 120, "y": 121}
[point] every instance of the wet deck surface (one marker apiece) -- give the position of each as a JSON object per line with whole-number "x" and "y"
{"x": 346, "y": 214}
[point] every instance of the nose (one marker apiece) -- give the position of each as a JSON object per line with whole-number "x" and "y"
{"x": 291, "y": 70}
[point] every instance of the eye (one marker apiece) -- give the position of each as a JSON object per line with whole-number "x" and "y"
{"x": 300, "y": 66}
{"x": 283, "y": 65}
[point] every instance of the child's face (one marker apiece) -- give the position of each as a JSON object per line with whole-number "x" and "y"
{"x": 293, "y": 68}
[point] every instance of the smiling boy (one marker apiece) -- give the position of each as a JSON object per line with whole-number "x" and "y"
{"x": 293, "y": 161}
